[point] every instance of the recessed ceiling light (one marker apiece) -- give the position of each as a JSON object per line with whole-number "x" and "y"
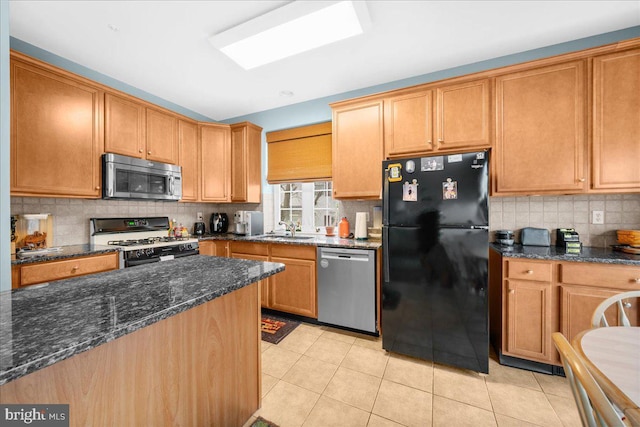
{"x": 286, "y": 93}
{"x": 294, "y": 28}
{"x": 113, "y": 27}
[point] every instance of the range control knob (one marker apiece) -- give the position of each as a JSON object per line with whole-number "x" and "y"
{"x": 138, "y": 253}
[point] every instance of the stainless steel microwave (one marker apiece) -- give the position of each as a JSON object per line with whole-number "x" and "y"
{"x": 126, "y": 177}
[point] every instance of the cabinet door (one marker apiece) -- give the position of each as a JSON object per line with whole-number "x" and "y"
{"x": 238, "y": 164}
{"x": 294, "y": 290}
{"x": 357, "y": 151}
{"x": 616, "y": 122}
{"x": 246, "y": 163}
{"x": 215, "y": 149}
{"x": 408, "y": 124}
{"x": 265, "y": 283}
{"x": 56, "y": 134}
{"x": 463, "y": 115}
{"x": 578, "y": 304}
{"x": 540, "y": 130}
{"x": 189, "y": 160}
{"x": 162, "y": 137}
{"x": 528, "y": 314}
{"x": 124, "y": 131}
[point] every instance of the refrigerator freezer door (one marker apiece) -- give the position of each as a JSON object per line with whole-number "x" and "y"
{"x": 435, "y": 296}
{"x": 448, "y": 189}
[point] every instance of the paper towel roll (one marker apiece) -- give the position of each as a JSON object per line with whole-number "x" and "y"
{"x": 361, "y": 225}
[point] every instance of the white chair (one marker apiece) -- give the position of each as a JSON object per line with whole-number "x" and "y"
{"x": 593, "y": 405}
{"x": 598, "y": 319}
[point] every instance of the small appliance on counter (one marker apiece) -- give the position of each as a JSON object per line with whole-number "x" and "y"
{"x": 504, "y": 237}
{"x": 199, "y": 228}
{"x": 219, "y": 223}
{"x": 248, "y": 223}
{"x": 530, "y": 236}
{"x": 628, "y": 241}
{"x": 569, "y": 240}
{"x": 34, "y": 231}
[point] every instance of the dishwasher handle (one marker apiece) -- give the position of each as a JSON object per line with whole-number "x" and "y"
{"x": 364, "y": 258}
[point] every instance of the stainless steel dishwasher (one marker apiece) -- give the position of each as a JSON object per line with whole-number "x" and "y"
{"x": 347, "y": 288}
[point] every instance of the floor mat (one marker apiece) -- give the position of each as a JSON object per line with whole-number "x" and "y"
{"x": 274, "y": 328}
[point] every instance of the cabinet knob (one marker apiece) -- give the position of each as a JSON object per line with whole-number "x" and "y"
{"x": 626, "y": 304}
{"x": 440, "y": 140}
{"x": 140, "y": 150}
{"x": 582, "y": 180}
{"x": 529, "y": 271}
{"x": 429, "y": 142}
{"x": 637, "y": 280}
{"x": 512, "y": 291}
{"x": 97, "y": 187}
{"x": 75, "y": 268}
{"x": 148, "y": 152}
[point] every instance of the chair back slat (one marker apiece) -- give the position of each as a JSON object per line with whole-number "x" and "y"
{"x": 599, "y": 319}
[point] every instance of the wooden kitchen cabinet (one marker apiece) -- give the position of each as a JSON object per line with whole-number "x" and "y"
{"x": 246, "y": 163}
{"x": 215, "y": 162}
{"x": 214, "y": 247}
{"x": 56, "y": 131}
{"x": 528, "y": 310}
{"x": 41, "y": 272}
{"x": 583, "y": 286}
{"x": 541, "y": 130}
{"x": 133, "y": 129}
{"x": 461, "y": 120}
{"x": 357, "y": 149}
{"x": 189, "y": 160}
{"x": 616, "y": 122}
{"x": 295, "y": 289}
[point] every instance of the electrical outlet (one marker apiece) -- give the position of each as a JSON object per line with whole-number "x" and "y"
{"x": 597, "y": 217}
{"x": 199, "y": 216}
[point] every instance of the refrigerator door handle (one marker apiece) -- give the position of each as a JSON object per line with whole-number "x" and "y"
{"x": 385, "y": 254}
{"x": 385, "y": 197}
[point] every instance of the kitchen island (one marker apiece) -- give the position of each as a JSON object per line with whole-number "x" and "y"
{"x": 171, "y": 343}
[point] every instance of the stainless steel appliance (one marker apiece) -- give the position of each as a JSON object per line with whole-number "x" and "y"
{"x": 435, "y": 248}
{"x": 347, "y": 288}
{"x": 248, "y": 223}
{"x": 219, "y": 223}
{"x": 126, "y": 177}
{"x": 142, "y": 240}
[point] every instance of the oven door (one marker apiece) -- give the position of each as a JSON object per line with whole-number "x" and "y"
{"x": 129, "y": 178}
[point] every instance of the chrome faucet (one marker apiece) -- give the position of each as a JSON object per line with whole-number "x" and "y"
{"x": 291, "y": 227}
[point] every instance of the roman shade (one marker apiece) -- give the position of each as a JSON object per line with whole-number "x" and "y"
{"x": 299, "y": 154}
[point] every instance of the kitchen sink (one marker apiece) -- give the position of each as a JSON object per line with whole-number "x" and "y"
{"x": 287, "y": 237}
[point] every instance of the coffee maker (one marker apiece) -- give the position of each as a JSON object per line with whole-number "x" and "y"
{"x": 248, "y": 223}
{"x": 219, "y": 223}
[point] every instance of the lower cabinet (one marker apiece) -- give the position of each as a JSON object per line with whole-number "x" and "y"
{"x": 292, "y": 291}
{"x": 540, "y": 297}
{"x": 214, "y": 247}
{"x": 41, "y": 272}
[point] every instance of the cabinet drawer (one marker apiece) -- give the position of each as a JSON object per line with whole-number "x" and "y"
{"x": 249, "y": 248}
{"x": 529, "y": 270}
{"x": 294, "y": 251}
{"x": 56, "y": 270}
{"x": 601, "y": 275}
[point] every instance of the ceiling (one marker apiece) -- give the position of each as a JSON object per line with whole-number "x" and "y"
{"x": 162, "y": 47}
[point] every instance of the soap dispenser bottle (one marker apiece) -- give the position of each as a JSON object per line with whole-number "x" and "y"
{"x": 343, "y": 228}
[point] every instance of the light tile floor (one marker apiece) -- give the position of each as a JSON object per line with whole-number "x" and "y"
{"x": 320, "y": 376}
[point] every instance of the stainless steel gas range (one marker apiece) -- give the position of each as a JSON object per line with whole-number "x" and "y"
{"x": 141, "y": 240}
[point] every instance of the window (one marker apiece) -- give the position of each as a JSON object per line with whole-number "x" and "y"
{"x": 309, "y": 205}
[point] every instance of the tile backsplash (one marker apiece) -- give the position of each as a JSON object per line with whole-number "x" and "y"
{"x": 621, "y": 211}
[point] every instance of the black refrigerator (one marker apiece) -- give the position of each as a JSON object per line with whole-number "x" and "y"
{"x": 435, "y": 259}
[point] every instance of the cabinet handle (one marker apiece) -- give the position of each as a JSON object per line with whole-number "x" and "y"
{"x": 529, "y": 271}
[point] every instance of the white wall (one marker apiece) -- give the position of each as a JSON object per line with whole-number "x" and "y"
{"x": 5, "y": 232}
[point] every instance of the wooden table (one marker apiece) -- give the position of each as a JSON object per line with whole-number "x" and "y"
{"x": 612, "y": 356}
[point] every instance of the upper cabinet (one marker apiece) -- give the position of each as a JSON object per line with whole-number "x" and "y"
{"x": 357, "y": 149}
{"x": 189, "y": 160}
{"x": 461, "y": 120}
{"x": 215, "y": 163}
{"x": 541, "y": 130}
{"x": 246, "y": 163}
{"x": 132, "y": 129}
{"x": 56, "y": 132}
{"x": 616, "y": 121}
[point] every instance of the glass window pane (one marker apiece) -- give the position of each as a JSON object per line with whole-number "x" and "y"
{"x": 296, "y": 200}
{"x": 285, "y": 216}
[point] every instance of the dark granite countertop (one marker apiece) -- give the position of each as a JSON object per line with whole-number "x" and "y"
{"x": 305, "y": 240}
{"x": 65, "y": 252}
{"x": 41, "y": 325}
{"x": 553, "y": 253}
